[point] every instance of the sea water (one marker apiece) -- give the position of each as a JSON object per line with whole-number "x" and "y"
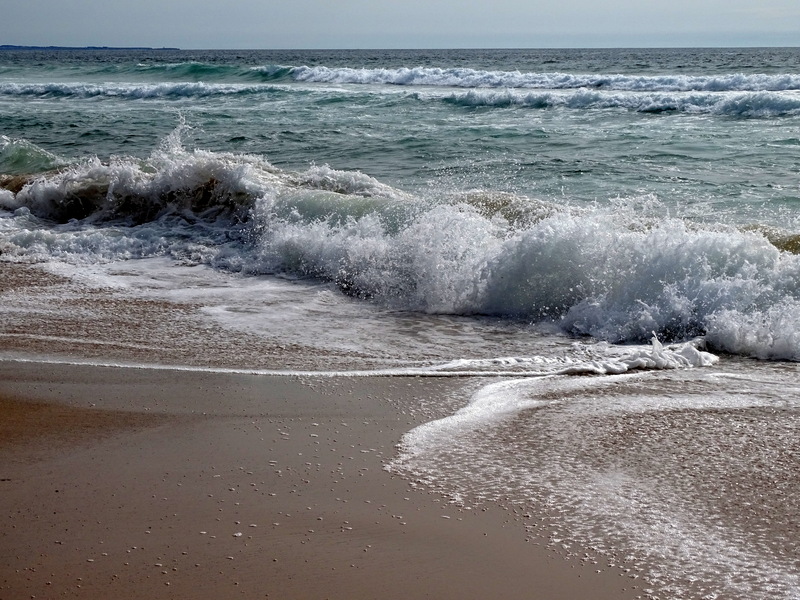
{"x": 603, "y": 243}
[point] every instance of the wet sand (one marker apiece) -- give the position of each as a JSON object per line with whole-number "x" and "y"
{"x": 141, "y": 483}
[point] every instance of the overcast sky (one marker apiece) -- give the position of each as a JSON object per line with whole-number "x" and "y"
{"x": 400, "y": 23}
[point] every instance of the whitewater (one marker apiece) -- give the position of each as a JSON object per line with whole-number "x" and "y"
{"x": 603, "y": 244}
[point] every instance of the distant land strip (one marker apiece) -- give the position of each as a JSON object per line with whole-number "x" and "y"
{"x": 11, "y": 47}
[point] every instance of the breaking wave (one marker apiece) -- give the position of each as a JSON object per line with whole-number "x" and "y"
{"x": 617, "y": 272}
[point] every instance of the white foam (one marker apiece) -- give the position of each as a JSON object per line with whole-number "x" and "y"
{"x": 8, "y": 200}
{"x": 499, "y": 400}
{"x": 630, "y": 465}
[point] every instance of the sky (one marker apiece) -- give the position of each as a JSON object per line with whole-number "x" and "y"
{"x": 195, "y": 24}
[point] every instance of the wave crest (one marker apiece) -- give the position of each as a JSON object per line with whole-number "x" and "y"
{"x": 19, "y": 156}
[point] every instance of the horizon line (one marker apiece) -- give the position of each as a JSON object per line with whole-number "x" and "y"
{"x": 409, "y": 48}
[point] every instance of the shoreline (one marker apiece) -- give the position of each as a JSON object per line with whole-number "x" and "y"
{"x": 220, "y": 485}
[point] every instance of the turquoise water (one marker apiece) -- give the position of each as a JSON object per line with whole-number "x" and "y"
{"x": 614, "y": 192}
{"x": 689, "y": 126}
{"x": 546, "y": 217}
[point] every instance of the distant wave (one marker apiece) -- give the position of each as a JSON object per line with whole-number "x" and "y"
{"x": 196, "y": 72}
{"x": 132, "y": 91}
{"x": 738, "y": 104}
{"x": 471, "y": 78}
{"x": 735, "y": 104}
{"x": 192, "y": 71}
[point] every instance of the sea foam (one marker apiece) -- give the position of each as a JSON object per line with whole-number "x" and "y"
{"x": 643, "y": 471}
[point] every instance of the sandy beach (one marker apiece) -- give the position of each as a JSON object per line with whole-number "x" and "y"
{"x": 141, "y": 483}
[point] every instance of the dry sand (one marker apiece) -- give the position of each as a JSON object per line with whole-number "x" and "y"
{"x": 138, "y": 483}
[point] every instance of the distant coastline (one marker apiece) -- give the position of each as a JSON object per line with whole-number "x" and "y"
{"x": 11, "y": 47}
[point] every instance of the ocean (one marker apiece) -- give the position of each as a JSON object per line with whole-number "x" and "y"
{"x": 601, "y": 244}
